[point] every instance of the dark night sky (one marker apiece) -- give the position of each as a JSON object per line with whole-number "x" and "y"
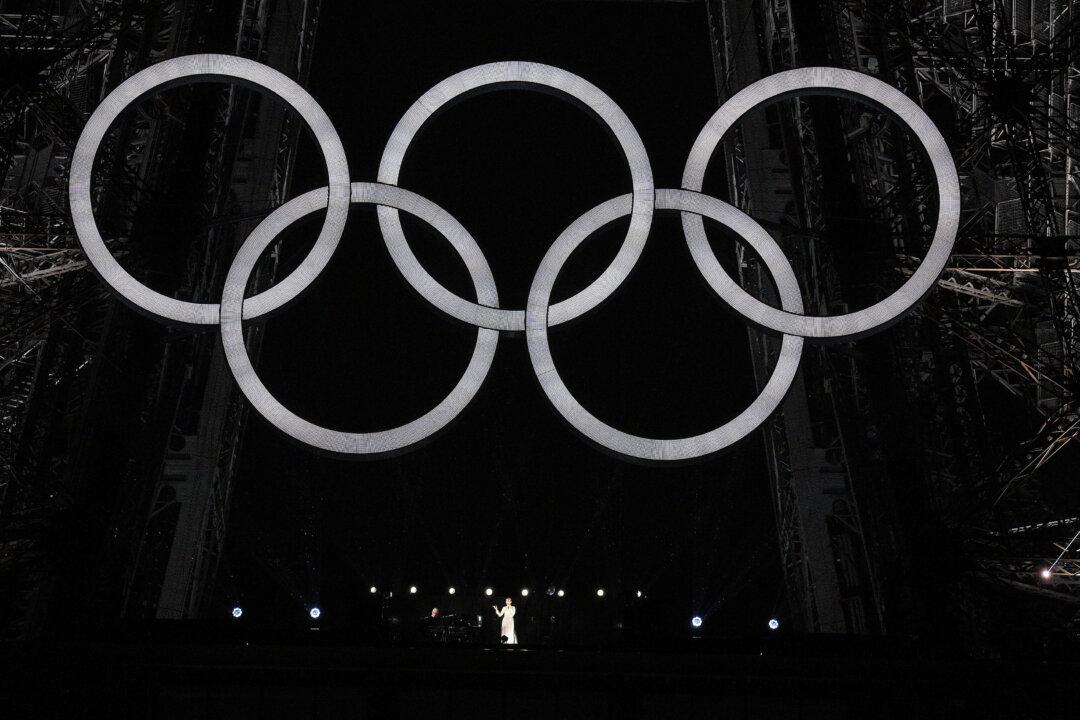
{"x": 509, "y": 495}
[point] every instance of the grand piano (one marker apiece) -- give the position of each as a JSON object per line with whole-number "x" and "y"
{"x": 451, "y": 628}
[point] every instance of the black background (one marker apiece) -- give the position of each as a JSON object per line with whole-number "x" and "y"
{"x": 509, "y": 496}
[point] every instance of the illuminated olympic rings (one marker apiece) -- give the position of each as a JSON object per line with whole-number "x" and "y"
{"x": 486, "y": 314}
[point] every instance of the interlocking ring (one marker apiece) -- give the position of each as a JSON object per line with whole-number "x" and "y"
{"x": 206, "y": 67}
{"x": 485, "y": 314}
{"x": 517, "y": 75}
{"x": 649, "y": 448}
{"x": 374, "y": 443}
{"x": 845, "y": 83}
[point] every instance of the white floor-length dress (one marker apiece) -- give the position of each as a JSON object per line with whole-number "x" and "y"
{"x": 507, "y": 613}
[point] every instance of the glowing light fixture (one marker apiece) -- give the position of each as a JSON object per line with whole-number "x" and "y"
{"x": 315, "y": 613}
{"x": 695, "y": 621}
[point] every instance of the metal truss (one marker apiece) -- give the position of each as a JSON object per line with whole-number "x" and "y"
{"x": 824, "y": 546}
{"x": 252, "y": 151}
{"x": 54, "y": 315}
{"x": 1004, "y": 73}
{"x": 1005, "y": 321}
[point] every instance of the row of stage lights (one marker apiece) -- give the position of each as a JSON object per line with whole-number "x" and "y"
{"x": 695, "y": 622}
{"x": 600, "y": 592}
{"x": 315, "y": 613}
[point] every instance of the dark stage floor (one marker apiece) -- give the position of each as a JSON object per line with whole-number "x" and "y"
{"x": 318, "y": 677}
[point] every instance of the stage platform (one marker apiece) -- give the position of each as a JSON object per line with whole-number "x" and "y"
{"x": 320, "y": 677}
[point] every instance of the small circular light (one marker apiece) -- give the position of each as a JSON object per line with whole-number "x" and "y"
{"x": 639, "y": 593}
{"x": 600, "y": 592}
{"x": 315, "y": 613}
{"x": 237, "y": 612}
{"x": 524, "y": 592}
{"x": 1046, "y": 574}
{"x": 373, "y": 590}
{"x": 452, "y": 591}
{"x": 561, "y": 593}
{"x": 488, "y": 592}
{"x": 774, "y": 624}
{"x": 412, "y": 589}
{"x": 695, "y": 621}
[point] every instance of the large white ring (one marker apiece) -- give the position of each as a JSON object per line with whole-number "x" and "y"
{"x": 336, "y": 441}
{"x": 643, "y": 448}
{"x": 204, "y": 67}
{"x": 846, "y": 83}
{"x": 518, "y": 74}
{"x": 485, "y": 312}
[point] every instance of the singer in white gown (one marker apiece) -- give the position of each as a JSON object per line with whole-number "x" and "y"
{"x": 507, "y": 614}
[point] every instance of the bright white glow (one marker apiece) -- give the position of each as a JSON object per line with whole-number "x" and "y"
{"x": 247, "y": 378}
{"x": 695, "y": 621}
{"x": 524, "y": 592}
{"x": 412, "y": 589}
{"x": 315, "y": 613}
{"x": 639, "y": 593}
{"x": 851, "y": 85}
{"x": 209, "y": 67}
{"x": 452, "y": 590}
{"x": 774, "y": 624}
{"x": 485, "y": 313}
{"x": 538, "y": 312}
{"x": 1046, "y": 574}
{"x": 488, "y": 592}
{"x": 516, "y": 74}
{"x": 373, "y": 590}
{"x": 600, "y": 592}
{"x": 561, "y": 593}
{"x": 237, "y": 612}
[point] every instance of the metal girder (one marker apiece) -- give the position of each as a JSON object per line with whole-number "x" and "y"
{"x": 1060, "y": 429}
{"x": 1003, "y": 355}
{"x": 824, "y": 552}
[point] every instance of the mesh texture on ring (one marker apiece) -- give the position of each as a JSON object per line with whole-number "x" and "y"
{"x": 336, "y": 441}
{"x": 516, "y": 75}
{"x": 852, "y": 85}
{"x": 538, "y": 315}
{"x": 636, "y": 446}
{"x": 193, "y": 68}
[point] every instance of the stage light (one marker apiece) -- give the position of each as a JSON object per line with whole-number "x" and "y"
{"x": 695, "y": 621}
{"x": 373, "y": 590}
{"x": 524, "y": 592}
{"x": 315, "y": 613}
{"x": 639, "y": 593}
{"x": 774, "y": 624}
{"x": 237, "y": 612}
{"x": 1046, "y": 574}
{"x": 561, "y": 593}
{"x": 600, "y": 592}
{"x": 412, "y": 589}
{"x": 452, "y": 591}
{"x": 488, "y": 592}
